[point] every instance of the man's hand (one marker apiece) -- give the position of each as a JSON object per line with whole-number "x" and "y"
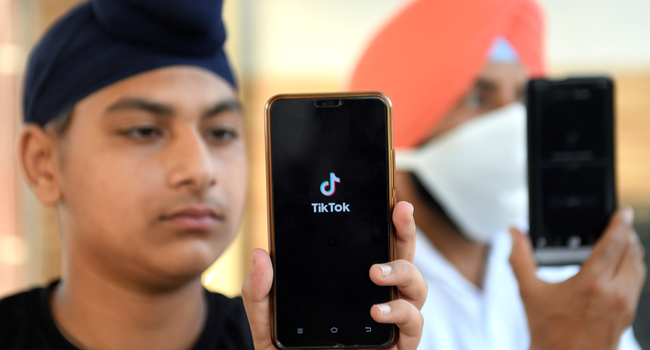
{"x": 404, "y": 312}
{"x": 592, "y": 309}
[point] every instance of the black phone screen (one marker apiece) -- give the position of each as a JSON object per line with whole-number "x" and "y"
{"x": 571, "y": 160}
{"x": 331, "y": 219}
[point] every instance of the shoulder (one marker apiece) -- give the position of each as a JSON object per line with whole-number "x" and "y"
{"x": 14, "y": 307}
{"x": 229, "y": 312}
{"x": 234, "y": 304}
{"x": 227, "y": 325}
{"x": 18, "y": 318}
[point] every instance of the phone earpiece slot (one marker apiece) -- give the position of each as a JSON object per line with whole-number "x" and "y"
{"x": 328, "y": 103}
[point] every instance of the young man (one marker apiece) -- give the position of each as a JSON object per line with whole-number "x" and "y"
{"x": 455, "y": 71}
{"x": 134, "y": 133}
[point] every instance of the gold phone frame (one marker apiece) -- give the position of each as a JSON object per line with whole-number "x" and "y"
{"x": 269, "y": 192}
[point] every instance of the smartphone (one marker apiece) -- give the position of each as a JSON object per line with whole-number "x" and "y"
{"x": 331, "y": 191}
{"x": 572, "y": 192}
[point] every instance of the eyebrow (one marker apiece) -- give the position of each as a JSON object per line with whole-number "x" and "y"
{"x": 485, "y": 84}
{"x": 141, "y": 104}
{"x": 161, "y": 109}
{"x": 222, "y": 106}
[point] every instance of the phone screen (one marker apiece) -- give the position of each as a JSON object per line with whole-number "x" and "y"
{"x": 331, "y": 219}
{"x": 572, "y": 161}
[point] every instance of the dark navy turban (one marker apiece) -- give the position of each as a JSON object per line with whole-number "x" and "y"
{"x": 103, "y": 41}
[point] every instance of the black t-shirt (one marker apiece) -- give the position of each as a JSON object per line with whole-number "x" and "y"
{"x": 27, "y": 324}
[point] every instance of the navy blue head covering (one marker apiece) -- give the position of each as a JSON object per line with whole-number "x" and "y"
{"x": 103, "y": 41}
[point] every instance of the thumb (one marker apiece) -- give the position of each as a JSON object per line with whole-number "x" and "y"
{"x": 255, "y": 293}
{"x": 523, "y": 263}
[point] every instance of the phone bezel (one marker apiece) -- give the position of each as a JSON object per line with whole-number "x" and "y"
{"x": 392, "y": 200}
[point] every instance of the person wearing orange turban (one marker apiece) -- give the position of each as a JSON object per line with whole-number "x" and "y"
{"x": 455, "y": 71}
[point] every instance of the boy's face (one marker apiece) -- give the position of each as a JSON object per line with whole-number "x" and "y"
{"x": 152, "y": 175}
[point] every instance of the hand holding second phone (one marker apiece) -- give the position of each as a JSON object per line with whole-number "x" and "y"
{"x": 404, "y": 312}
{"x": 590, "y": 310}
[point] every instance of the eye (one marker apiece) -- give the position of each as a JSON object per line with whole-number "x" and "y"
{"x": 222, "y": 135}
{"x": 143, "y": 133}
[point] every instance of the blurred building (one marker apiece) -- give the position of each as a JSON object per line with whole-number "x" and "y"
{"x": 281, "y": 46}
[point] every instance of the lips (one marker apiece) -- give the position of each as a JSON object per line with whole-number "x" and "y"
{"x": 193, "y": 218}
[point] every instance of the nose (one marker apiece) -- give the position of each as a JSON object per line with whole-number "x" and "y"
{"x": 189, "y": 162}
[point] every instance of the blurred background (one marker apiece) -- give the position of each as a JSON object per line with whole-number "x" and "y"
{"x": 283, "y": 46}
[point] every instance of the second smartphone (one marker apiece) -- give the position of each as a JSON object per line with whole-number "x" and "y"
{"x": 330, "y": 181}
{"x": 570, "y": 166}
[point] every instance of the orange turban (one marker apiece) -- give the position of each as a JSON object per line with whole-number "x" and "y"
{"x": 431, "y": 53}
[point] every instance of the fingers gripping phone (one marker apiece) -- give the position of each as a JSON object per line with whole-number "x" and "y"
{"x": 330, "y": 186}
{"x": 570, "y": 166}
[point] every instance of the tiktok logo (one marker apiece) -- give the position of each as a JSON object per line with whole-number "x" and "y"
{"x": 330, "y": 207}
{"x": 331, "y": 184}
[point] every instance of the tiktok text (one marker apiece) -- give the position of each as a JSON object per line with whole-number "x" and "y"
{"x": 330, "y": 207}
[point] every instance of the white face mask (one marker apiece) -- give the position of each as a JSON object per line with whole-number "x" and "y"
{"x": 477, "y": 171}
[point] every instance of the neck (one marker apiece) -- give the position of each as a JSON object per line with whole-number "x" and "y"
{"x": 95, "y": 310}
{"x": 466, "y": 255}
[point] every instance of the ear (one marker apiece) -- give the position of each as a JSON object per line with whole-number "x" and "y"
{"x": 37, "y": 162}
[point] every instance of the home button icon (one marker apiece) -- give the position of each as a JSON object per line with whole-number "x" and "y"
{"x": 334, "y": 330}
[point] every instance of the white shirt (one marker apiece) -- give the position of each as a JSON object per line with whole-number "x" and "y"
{"x": 458, "y": 315}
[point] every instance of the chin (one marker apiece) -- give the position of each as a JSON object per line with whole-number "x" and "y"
{"x": 188, "y": 260}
